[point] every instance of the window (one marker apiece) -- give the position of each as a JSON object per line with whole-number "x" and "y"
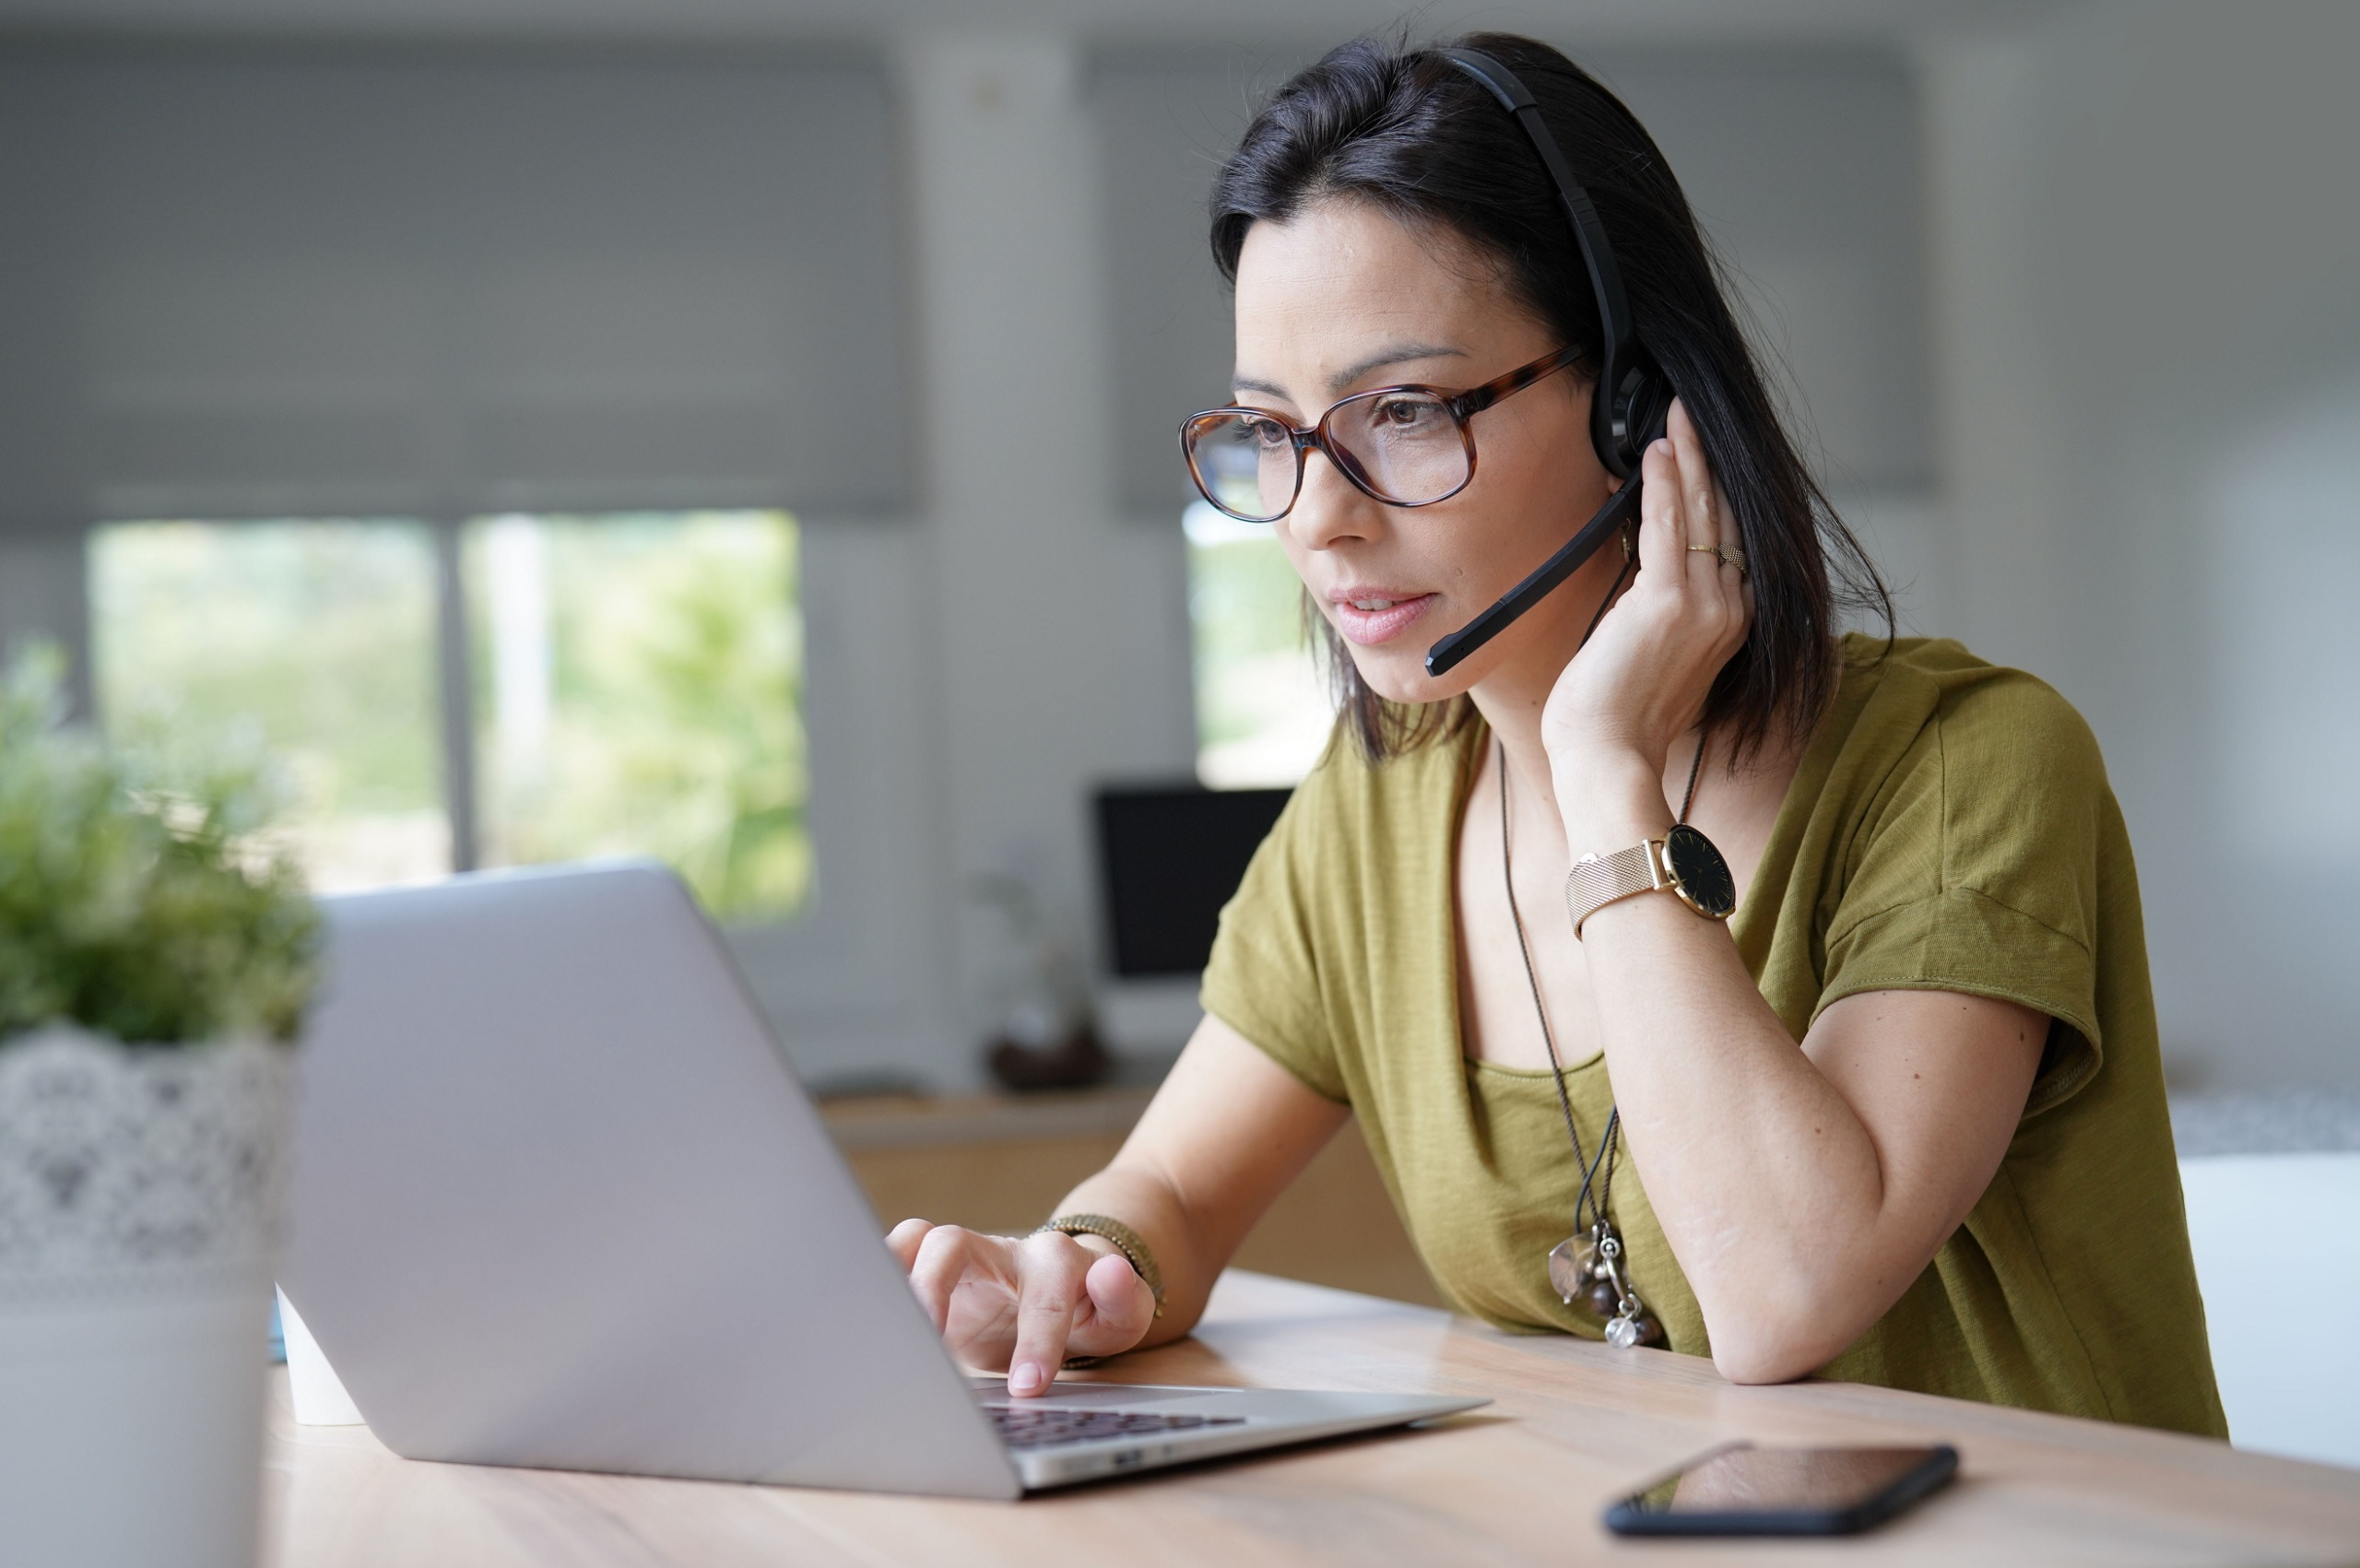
{"x": 314, "y": 639}
{"x": 633, "y": 686}
{"x": 637, "y": 691}
{"x": 1263, "y": 714}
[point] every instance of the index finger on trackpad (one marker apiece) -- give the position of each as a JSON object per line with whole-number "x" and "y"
{"x": 1079, "y": 1396}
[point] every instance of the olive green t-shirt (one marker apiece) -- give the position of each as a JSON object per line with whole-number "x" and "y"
{"x": 1949, "y": 828}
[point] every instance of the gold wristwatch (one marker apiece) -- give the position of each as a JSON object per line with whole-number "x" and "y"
{"x": 1683, "y": 861}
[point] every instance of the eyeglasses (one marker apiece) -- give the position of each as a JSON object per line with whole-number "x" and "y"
{"x": 1402, "y": 445}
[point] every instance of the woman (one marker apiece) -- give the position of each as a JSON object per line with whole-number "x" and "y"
{"x": 1900, "y": 1120}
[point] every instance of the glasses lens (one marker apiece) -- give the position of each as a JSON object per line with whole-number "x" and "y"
{"x": 1405, "y": 444}
{"x": 1245, "y": 464}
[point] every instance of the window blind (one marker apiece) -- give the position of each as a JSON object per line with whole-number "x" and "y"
{"x": 259, "y": 283}
{"x": 1165, "y": 119}
{"x": 1802, "y": 163}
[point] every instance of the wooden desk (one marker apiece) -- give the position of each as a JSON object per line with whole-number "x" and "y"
{"x": 1523, "y": 1481}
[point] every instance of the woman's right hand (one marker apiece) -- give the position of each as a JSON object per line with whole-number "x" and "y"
{"x": 1023, "y": 1302}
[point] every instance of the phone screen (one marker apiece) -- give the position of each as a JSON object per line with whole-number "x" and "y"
{"x": 1752, "y": 1491}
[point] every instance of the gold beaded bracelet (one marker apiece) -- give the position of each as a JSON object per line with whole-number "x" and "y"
{"x": 1126, "y": 1242}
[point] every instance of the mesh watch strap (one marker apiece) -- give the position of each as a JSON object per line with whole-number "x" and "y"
{"x": 1597, "y": 881}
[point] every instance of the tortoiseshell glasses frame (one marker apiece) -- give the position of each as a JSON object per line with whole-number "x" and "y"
{"x": 1425, "y": 465}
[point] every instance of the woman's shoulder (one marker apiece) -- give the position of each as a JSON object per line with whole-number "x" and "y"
{"x": 1969, "y": 716}
{"x": 1970, "y": 839}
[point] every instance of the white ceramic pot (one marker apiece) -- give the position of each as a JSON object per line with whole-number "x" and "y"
{"x": 141, "y": 1194}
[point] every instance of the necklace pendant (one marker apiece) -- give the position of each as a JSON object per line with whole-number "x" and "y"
{"x": 1634, "y": 1326}
{"x": 1602, "y": 1253}
{"x": 1569, "y": 1272}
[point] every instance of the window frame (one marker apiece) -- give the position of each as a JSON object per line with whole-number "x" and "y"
{"x": 855, "y": 980}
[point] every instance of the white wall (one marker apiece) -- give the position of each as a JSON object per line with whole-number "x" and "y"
{"x": 2147, "y": 268}
{"x": 976, "y": 670}
{"x": 1059, "y": 635}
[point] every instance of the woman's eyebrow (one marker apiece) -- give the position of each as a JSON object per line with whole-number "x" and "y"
{"x": 1399, "y": 354}
{"x": 1394, "y": 356}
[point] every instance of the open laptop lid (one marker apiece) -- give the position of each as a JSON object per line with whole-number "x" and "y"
{"x": 522, "y": 1236}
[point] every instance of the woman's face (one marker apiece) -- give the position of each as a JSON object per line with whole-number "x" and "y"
{"x": 1342, "y": 298}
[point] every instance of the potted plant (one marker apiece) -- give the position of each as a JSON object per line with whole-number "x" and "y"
{"x": 155, "y": 958}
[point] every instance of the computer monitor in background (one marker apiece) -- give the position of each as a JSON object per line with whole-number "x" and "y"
{"x": 1170, "y": 857}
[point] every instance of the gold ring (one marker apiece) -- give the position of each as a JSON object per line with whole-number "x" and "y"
{"x": 1733, "y": 558}
{"x": 1706, "y": 550}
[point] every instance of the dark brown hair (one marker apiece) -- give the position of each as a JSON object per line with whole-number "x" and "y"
{"x": 1404, "y": 130}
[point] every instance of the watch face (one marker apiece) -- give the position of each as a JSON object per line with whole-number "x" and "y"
{"x": 1699, "y": 873}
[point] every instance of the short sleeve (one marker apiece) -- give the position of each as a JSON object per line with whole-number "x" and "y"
{"x": 1263, "y": 979}
{"x": 1977, "y": 869}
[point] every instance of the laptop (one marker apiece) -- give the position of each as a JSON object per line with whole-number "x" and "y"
{"x": 560, "y": 1201}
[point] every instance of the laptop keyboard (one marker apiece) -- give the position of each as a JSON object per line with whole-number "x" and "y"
{"x": 1024, "y": 1427}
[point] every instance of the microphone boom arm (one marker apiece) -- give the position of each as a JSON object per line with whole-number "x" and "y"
{"x": 1445, "y": 656}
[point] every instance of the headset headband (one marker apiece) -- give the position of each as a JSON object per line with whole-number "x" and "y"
{"x": 1626, "y": 407}
{"x": 1615, "y": 403}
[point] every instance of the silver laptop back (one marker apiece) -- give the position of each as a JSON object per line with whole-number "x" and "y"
{"x": 560, "y": 1202}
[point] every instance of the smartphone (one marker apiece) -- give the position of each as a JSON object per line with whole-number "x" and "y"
{"x": 1744, "y": 1490}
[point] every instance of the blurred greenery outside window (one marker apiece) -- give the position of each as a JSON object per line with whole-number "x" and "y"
{"x": 314, "y": 640}
{"x": 1263, "y": 712}
{"x": 635, "y": 686}
{"x": 638, "y": 689}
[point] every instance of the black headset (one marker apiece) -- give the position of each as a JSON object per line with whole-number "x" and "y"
{"x": 1632, "y": 398}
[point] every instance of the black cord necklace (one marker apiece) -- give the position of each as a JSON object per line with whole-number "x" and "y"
{"x": 1589, "y": 1266}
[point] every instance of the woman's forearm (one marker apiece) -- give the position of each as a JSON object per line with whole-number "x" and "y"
{"x": 1801, "y": 1186}
{"x": 1768, "y": 1186}
{"x": 1225, "y": 1135}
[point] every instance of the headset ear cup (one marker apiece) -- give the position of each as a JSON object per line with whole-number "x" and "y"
{"x": 1641, "y": 405}
{"x": 1605, "y": 430}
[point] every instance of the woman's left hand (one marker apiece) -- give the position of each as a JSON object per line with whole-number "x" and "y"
{"x": 1641, "y": 681}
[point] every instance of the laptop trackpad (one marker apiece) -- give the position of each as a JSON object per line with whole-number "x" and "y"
{"x": 1079, "y": 1396}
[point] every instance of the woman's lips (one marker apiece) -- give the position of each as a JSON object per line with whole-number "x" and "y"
{"x": 1370, "y": 616}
